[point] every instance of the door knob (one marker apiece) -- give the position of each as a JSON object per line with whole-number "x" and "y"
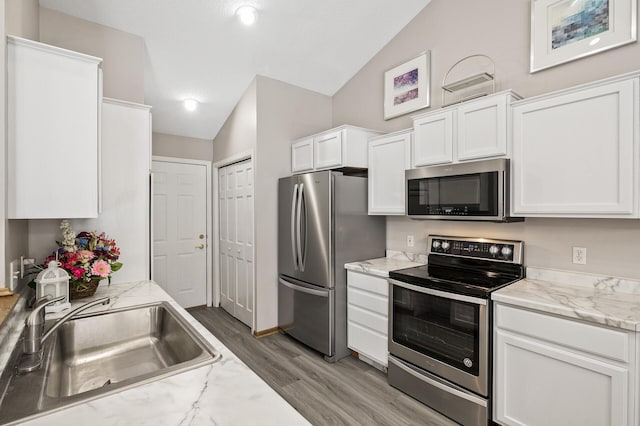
{"x": 201, "y": 246}
{"x": 201, "y": 236}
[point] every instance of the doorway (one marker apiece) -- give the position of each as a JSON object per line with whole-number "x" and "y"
{"x": 236, "y": 239}
{"x": 181, "y": 224}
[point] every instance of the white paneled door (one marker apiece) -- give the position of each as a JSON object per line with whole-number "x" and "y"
{"x": 236, "y": 240}
{"x": 180, "y": 231}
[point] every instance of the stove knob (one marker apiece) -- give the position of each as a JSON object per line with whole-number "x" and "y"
{"x": 506, "y": 251}
{"x": 445, "y": 245}
{"x": 493, "y": 250}
{"x": 436, "y": 244}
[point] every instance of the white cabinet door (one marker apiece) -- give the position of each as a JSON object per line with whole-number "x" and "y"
{"x": 576, "y": 154}
{"x": 367, "y": 324}
{"x": 328, "y": 150}
{"x": 302, "y": 155}
{"x": 433, "y": 140}
{"x": 541, "y": 384}
{"x": 53, "y": 116}
{"x": 389, "y": 157}
{"x": 482, "y": 127}
{"x": 126, "y": 151}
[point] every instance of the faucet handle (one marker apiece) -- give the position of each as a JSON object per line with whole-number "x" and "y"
{"x": 36, "y": 317}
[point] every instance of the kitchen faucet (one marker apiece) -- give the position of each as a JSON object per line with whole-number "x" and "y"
{"x": 34, "y": 335}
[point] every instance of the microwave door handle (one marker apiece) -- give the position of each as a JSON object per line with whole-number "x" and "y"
{"x": 294, "y": 195}
{"x": 299, "y": 230}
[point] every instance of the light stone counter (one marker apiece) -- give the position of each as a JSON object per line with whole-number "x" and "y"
{"x": 598, "y": 299}
{"x": 382, "y": 266}
{"x": 224, "y": 393}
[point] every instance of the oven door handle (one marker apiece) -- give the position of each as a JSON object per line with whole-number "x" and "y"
{"x": 438, "y": 293}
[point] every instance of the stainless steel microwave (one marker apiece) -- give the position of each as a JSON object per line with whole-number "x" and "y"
{"x": 477, "y": 190}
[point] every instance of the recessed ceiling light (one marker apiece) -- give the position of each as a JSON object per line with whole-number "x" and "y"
{"x": 190, "y": 104}
{"x": 247, "y": 15}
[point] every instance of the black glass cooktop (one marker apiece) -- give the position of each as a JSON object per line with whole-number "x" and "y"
{"x": 472, "y": 277}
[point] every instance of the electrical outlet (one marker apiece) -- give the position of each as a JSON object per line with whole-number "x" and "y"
{"x": 14, "y": 274}
{"x": 409, "y": 240}
{"x": 24, "y": 262}
{"x": 580, "y": 255}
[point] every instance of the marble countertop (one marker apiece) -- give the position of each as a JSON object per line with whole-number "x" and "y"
{"x": 602, "y": 300}
{"x": 224, "y": 393}
{"x": 382, "y": 266}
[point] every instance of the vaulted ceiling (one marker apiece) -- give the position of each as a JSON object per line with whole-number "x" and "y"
{"x": 198, "y": 49}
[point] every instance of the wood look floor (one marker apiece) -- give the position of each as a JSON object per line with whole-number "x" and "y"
{"x": 348, "y": 392}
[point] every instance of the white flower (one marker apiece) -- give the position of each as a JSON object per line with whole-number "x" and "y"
{"x": 68, "y": 236}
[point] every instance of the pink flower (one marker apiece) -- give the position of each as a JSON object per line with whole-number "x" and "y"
{"x": 77, "y": 272}
{"x": 86, "y": 255}
{"x": 101, "y": 268}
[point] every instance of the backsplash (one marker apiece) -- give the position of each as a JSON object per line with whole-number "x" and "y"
{"x": 612, "y": 244}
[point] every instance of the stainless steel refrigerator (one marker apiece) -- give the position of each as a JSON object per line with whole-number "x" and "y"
{"x": 322, "y": 224}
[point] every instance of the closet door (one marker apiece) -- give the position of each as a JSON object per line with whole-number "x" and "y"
{"x": 236, "y": 240}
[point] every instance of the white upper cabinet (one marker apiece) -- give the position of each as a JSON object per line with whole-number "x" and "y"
{"x": 53, "y": 122}
{"x": 467, "y": 131}
{"x": 433, "y": 142}
{"x": 575, "y": 152}
{"x": 302, "y": 155}
{"x": 344, "y": 146}
{"x": 389, "y": 157}
{"x": 482, "y": 127}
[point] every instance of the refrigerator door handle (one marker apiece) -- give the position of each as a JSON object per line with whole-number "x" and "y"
{"x": 293, "y": 227}
{"x": 304, "y": 289}
{"x": 299, "y": 230}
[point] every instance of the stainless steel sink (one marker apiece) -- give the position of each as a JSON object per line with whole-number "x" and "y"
{"x": 95, "y": 355}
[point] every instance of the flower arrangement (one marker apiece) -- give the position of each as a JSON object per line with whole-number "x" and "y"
{"x": 87, "y": 256}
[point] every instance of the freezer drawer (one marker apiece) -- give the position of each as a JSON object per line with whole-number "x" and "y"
{"x": 306, "y": 313}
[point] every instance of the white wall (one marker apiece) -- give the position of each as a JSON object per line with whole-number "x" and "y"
{"x": 453, "y": 29}
{"x": 122, "y": 53}
{"x": 267, "y": 118}
{"x": 22, "y": 18}
{"x": 182, "y": 147}
{"x": 285, "y": 113}
{"x": 19, "y": 18}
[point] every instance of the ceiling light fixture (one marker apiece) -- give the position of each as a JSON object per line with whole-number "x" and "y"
{"x": 247, "y": 15}
{"x": 190, "y": 104}
{"x": 594, "y": 41}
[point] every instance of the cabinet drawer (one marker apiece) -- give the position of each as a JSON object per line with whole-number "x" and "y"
{"x": 368, "y": 283}
{"x": 367, "y": 342}
{"x": 366, "y": 318}
{"x": 597, "y": 340}
{"x": 369, "y": 301}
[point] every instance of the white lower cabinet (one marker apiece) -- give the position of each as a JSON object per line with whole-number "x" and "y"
{"x": 389, "y": 157}
{"x": 367, "y": 316}
{"x": 556, "y": 371}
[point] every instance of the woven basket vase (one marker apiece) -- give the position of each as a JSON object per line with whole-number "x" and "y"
{"x": 88, "y": 290}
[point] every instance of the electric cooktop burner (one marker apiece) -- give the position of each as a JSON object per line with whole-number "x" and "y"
{"x": 473, "y": 267}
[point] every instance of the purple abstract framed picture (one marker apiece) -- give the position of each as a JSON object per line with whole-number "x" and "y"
{"x": 565, "y": 30}
{"x": 406, "y": 87}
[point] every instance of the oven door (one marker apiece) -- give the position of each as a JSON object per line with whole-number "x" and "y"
{"x": 441, "y": 332}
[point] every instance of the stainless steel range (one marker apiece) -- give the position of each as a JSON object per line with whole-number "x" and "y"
{"x": 440, "y": 321}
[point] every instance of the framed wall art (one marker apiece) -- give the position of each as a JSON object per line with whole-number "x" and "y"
{"x": 565, "y": 30}
{"x": 406, "y": 87}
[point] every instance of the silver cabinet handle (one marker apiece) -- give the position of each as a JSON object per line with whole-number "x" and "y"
{"x": 293, "y": 226}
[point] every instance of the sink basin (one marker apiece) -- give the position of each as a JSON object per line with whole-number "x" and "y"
{"x": 94, "y": 355}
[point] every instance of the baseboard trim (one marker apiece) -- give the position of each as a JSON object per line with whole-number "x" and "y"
{"x": 267, "y": 332}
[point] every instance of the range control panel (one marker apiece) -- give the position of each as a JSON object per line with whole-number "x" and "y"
{"x": 505, "y": 251}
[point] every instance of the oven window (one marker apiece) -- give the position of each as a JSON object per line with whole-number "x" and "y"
{"x": 473, "y": 194}
{"x": 440, "y": 328}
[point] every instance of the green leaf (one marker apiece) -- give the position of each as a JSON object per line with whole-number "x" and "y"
{"x": 116, "y": 266}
